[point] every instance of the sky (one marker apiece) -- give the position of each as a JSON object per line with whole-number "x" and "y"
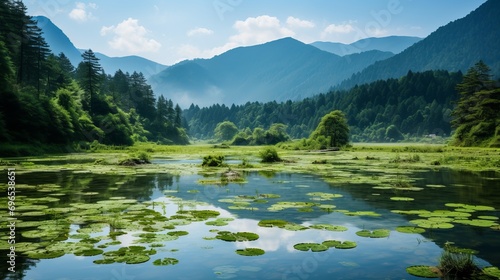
{"x": 168, "y": 31}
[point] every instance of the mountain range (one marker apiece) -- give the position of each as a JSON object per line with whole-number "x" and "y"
{"x": 279, "y": 70}
{"x": 60, "y": 43}
{"x": 394, "y": 44}
{"x": 287, "y": 69}
{"x": 456, "y": 46}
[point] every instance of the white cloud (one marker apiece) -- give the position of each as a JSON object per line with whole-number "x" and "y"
{"x": 298, "y": 23}
{"x": 252, "y": 31}
{"x": 131, "y": 37}
{"x": 200, "y": 31}
{"x": 81, "y": 12}
{"x": 340, "y": 28}
{"x": 259, "y": 30}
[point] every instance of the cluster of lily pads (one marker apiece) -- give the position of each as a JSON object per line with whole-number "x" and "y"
{"x": 445, "y": 219}
{"x": 325, "y": 245}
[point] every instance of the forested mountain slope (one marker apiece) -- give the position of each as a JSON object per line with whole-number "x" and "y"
{"x": 456, "y": 46}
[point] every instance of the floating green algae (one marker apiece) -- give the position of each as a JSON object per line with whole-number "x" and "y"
{"x": 236, "y": 236}
{"x": 329, "y": 227}
{"x": 423, "y": 271}
{"x": 410, "y": 229}
{"x": 377, "y": 233}
{"x": 165, "y": 262}
{"x": 250, "y": 252}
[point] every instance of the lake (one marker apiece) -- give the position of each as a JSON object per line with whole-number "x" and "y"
{"x": 72, "y": 224}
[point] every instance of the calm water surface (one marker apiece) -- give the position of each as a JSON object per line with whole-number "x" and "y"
{"x": 199, "y": 258}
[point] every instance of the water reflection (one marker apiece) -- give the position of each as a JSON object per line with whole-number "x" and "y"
{"x": 202, "y": 258}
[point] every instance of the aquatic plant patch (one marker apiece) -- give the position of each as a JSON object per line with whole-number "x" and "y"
{"x": 400, "y": 198}
{"x": 282, "y": 224}
{"x": 426, "y": 223}
{"x": 340, "y": 244}
{"x": 323, "y": 196}
{"x": 492, "y": 271}
{"x": 377, "y": 233}
{"x": 165, "y": 262}
{"x": 236, "y": 236}
{"x": 250, "y": 252}
{"x": 328, "y": 227}
{"x": 410, "y": 229}
{"x": 424, "y": 271}
{"x": 128, "y": 255}
{"x": 314, "y": 247}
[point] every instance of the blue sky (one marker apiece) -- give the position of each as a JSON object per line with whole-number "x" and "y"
{"x": 169, "y": 31}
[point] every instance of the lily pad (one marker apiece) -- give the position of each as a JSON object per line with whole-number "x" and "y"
{"x": 323, "y": 196}
{"x": 423, "y": 271}
{"x": 166, "y": 261}
{"x": 219, "y": 222}
{"x": 237, "y": 236}
{"x": 425, "y": 223}
{"x": 477, "y": 222}
{"x": 329, "y": 227}
{"x": 250, "y": 252}
{"x": 282, "y": 224}
{"x": 178, "y": 233}
{"x": 339, "y": 244}
{"x": 377, "y": 233}
{"x": 492, "y": 218}
{"x": 314, "y": 247}
{"x": 435, "y": 186}
{"x": 44, "y": 254}
{"x": 492, "y": 271}
{"x": 410, "y": 229}
{"x": 89, "y": 252}
{"x": 362, "y": 213}
{"x": 400, "y": 198}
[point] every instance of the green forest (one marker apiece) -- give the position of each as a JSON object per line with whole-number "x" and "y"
{"x": 48, "y": 104}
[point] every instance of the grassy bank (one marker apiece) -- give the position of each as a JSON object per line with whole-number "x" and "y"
{"x": 361, "y": 156}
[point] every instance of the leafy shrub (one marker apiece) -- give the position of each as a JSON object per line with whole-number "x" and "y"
{"x": 269, "y": 155}
{"x": 213, "y": 161}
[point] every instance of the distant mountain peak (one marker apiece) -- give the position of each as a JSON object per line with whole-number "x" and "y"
{"x": 393, "y": 44}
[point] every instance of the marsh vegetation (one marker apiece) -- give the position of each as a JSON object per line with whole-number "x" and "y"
{"x": 358, "y": 203}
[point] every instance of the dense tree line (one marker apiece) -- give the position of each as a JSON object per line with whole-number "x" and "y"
{"x": 415, "y": 105}
{"x": 476, "y": 116}
{"x": 45, "y": 100}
